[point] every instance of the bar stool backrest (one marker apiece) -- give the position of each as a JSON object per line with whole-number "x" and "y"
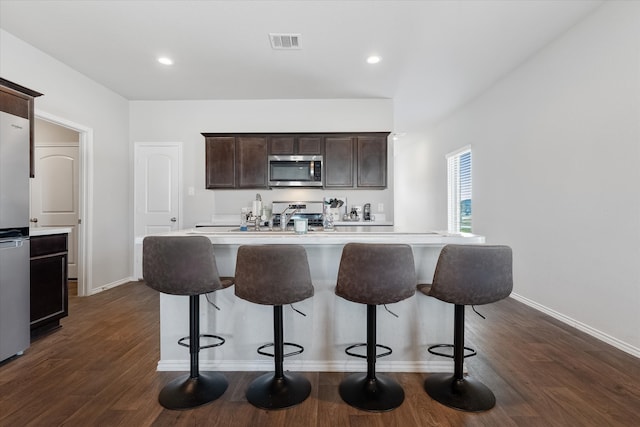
{"x": 473, "y": 274}
{"x": 376, "y": 274}
{"x": 180, "y": 265}
{"x": 273, "y": 274}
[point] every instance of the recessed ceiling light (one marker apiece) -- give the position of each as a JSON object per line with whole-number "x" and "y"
{"x": 373, "y": 59}
{"x": 165, "y": 61}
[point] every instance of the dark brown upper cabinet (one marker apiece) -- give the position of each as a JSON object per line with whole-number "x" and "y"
{"x": 350, "y": 160}
{"x": 18, "y": 100}
{"x": 356, "y": 161}
{"x": 220, "y": 155}
{"x": 372, "y": 161}
{"x": 338, "y": 162}
{"x": 235, "y": 161}
{"x": 252, "y": 161}
{"x": 295, "y": 144}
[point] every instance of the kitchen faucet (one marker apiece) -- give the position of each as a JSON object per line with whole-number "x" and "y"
{"x": 284, "y": 220}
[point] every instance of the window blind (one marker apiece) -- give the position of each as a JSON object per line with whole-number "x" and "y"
{"x": 459, "y": 194}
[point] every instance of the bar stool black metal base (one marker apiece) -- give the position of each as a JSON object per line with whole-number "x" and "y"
{"x": 186, "y": 392}
{"x": 269, "y": 392}
{"x": 466, "y": 394}
{"x": 379, "y": 394}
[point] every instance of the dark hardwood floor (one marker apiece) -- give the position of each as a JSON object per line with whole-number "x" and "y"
{"x": 99, "y": 370}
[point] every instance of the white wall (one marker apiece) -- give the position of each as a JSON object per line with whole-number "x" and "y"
{"x": 184, "y": 121}
{"x": 556, "y": 146}
{"x": 71, "y": 96}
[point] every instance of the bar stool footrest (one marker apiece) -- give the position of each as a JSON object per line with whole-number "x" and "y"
{"x": 470, "y": 351}
{"x": 293, "y": 353}
{"x": 184, "y": 341}
{"x": 351, "y": 353}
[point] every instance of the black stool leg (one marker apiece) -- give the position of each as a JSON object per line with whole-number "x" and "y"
{"x": 457, "y": 391}
{"x": 198, "y": 388}
{"x": 278, "y": 390}
{"x": 371, "y": 392}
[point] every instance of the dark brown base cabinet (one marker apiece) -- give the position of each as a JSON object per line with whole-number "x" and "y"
{"x": 49, "y": 290}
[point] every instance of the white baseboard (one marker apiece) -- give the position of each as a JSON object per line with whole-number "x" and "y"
{"x": 308, "y": 366}
{"x": 621, "y": 345}
{"x": 110, "y": 286}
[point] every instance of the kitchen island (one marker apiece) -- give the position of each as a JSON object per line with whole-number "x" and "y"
{"x": 331, "y": 323}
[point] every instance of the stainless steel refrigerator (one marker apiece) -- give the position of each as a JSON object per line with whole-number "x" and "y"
{"x": 14, "y": 235}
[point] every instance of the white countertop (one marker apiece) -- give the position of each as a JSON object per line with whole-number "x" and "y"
{"x": 234, "y": 222}
{"x": 45, "y": 231}
{"x": 341, "y": 235}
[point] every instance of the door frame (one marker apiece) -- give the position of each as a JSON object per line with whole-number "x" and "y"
{"x": 85, "y": 197}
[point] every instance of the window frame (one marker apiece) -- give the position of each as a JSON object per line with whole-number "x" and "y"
{"x": 455, "y": 188}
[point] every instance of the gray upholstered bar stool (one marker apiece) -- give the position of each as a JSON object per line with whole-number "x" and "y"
{"x": 374, "y": 274}
{"x": 466, "y": 275}
{"x": 275, "y": 275}
{"x": 186, "y": 265}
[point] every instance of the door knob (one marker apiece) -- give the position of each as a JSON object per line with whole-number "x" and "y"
{"x": 173, "y": 219}
{"x": 33, "y": 220}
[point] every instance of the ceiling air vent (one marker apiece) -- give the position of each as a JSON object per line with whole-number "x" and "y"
{"x": 284, "y": 41}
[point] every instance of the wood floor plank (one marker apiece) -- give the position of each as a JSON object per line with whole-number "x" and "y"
{"x": 100, "y": 369}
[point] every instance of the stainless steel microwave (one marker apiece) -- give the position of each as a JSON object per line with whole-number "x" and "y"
{"x": 295, "y": 171}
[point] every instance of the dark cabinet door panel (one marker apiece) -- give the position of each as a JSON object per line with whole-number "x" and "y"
{"x": 309, "y": 145}
{"x": 281, "y": 145}
{"x": 372, "y": 161}
{"x": 48, "y": 294}
{"x": 252, "y": 162}
{"x": 49, "y": 290}
{"x": 220, "y": 162}
{"x": 295, "y": 144}
{"x": 338, "y": 161}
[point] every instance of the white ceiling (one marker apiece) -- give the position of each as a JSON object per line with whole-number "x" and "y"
{"x": 436, "y": 54}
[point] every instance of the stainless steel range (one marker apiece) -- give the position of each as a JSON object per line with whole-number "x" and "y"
{"x": 312, "y": 211}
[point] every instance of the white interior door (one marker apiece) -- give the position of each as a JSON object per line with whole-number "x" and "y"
{"x": 157, "y": 199}
{"x": 54, "y": 194}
